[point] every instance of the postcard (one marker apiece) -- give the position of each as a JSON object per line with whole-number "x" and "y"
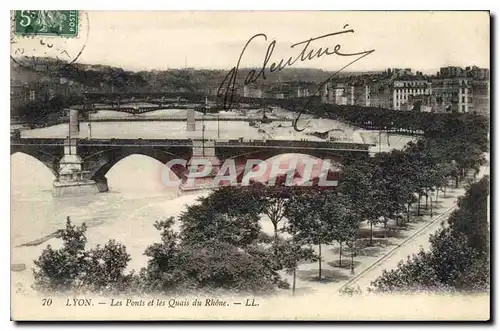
{"x": 250, "y": 165}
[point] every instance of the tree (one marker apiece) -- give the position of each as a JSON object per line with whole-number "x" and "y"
{"x": 220, "y": 265}
{"x": 458, "y": 259}
{"x": 229, "y": 214}
{"x": 72, "y": 268}
{"x": 390, "y": 192}
{"x": 312, "y": 216}
{"x": 273, "y": 200}
{"x": 290, "y": 252}
{"x": 177, "y": 266}
{"x": 345, "y": 225}
{"x": 470, "y": 219}
{"x": 356, "y": 184}
{"x": 159, "y": 275}
{"x": 441, "y": 269}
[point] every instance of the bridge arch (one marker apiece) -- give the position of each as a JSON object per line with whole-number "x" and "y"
{"x": 50, "y": 161}
{"x": 303, "y": 167}
{"x": 101, "y": 162}
{"x": 28, "y": 174}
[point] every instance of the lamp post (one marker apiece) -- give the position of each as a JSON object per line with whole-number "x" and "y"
{"x": 430, "y": 195}
{"x": 379, "y": 141}
{"x": 203, "y": 134}
{"x": 90, "y": 127}
{"x": 352, "y": 260}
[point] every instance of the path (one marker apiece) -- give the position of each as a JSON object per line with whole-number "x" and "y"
{"x": 415, "y": 243}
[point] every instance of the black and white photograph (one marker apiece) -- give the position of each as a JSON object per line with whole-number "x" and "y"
{"x": 250, "y": 165}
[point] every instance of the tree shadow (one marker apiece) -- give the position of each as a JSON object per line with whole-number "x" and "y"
{"x": 345, "y": 251}
{"x": 327, "y": 275}
{"x": 380, "y": 237}
{"x": 418, "y": 218}
{"x": 346, "y": 264}
{"x": 399, "y": 234}
{"x": 376, "y": 242}
{"x": 365, "y": 232}
{"x": 372, "y": 251}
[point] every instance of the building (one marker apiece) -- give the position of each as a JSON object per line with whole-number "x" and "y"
{"x": 399, "y": 72}
{"x": 420, "y": 102}
{"x": 452, "y": 94}
{"x": 20, "y": 95}
{"x": 451, "y": 72}
{"x": 405, "y": 88}
{"x": 347, "y": 93}
{"x": 252, "y": 92}
{"x": 481, "y": 97}
{"x": 452, "y": 89}
{"x": 303, "y": 92}
{"x": 478, "y": 73}
{"x": 379, "y": 93}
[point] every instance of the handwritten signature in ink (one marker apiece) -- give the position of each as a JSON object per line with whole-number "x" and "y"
{"x": 227, "y": 87}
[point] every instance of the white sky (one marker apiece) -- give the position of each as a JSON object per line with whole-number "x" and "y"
{"x": 143, "y": 40}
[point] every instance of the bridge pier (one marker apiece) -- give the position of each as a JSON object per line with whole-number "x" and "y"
{"x": 102, "y": 184}
{"x": 202, "y": 168}
{"x": 71, "y": 179}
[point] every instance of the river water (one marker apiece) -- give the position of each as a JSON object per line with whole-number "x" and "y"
{"x": 128, "y": 211}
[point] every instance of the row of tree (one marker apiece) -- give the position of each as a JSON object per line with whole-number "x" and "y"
{"x": 221, "y": 244}
{"x": 433, "y": 125}
{"x": 458, "y": 260}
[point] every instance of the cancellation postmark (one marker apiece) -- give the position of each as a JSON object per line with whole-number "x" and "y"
{"x": 40, "y": 37}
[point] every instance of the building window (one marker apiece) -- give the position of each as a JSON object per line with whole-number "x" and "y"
{"x": 463, "y": 108}
{"x": 463, "y": 99}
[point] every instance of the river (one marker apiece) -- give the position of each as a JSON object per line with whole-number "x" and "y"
{"x": 126, "y": 213}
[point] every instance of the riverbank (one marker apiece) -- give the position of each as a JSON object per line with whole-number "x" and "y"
{"x": 136, "y": 232}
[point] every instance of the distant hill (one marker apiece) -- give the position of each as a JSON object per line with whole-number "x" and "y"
{"x": 97, "y": 76}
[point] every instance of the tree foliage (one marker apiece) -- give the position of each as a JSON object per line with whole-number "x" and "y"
{"x": 458, "y": 258}
{"x": 229, "y": 215}
{"x": 176, "y": 265}
{"x": 72, "y": 268}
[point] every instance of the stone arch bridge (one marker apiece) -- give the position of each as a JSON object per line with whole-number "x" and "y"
{"x": 88, "y": 161}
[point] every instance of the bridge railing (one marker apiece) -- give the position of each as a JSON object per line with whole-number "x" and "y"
{"x": 37, "y": 141}
{"x": 112, "y": 141}
{"x": 293, "y": 144}
{"x": 138, "y": 142}
{"x": 166, "y": 117}
{"x": 189, "y": 143}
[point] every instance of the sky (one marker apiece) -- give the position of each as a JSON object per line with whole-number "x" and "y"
{"x": 146, "y": 40}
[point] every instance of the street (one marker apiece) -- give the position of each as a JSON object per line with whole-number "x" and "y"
{"x": 413, "y": 244}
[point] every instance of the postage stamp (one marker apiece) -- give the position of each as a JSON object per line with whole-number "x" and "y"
{"x": 47, "y": 22}
{"x": 39, "y": 37}
{"x": 216, "y": 165}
